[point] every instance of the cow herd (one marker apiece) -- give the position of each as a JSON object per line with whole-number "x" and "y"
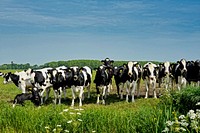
{"x": 127, "y": 79}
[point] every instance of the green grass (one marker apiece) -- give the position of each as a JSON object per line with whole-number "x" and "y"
{"x": 117, "y": 116}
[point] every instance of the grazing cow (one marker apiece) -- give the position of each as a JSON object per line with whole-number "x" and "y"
{"x": 40, "y": 79}
{"x": 193, "y": 71}
{"x": 81, "y": 78}
{"x": 180, "y": 73}
{"x": 33, "y": 96}
{"x": 149, "y": 77}
{"x": 20, "y": 79}
{"x": 102, "y": 81}
{"x": 164, "y": 74}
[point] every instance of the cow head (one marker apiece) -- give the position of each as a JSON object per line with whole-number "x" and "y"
{"x": 107, "y": 62}
{"x": 182, "y": 67}
{"x": 7, "y": 78}
{"x": 75, "y": 72}
{"x": 150, "y": 71}
{"x": 36, "y": 96}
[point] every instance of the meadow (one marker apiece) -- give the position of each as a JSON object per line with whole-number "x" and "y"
{"x": 117, "y": 116}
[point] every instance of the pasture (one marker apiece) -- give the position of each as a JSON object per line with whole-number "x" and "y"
{"x": 117, "y": 116}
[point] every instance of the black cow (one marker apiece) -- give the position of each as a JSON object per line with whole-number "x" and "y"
{"x": 102, "y": 80}
{"x": 193, "y": 71}
{"x": 33, "y": 97}
{"x": 107, "y": 62}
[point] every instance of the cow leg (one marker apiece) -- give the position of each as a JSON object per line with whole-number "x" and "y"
{"x": 127, "y": 91}
{"x": 154, "y": 89}
{"x": 80, "y": 96}
{"x": 73, "y": 95}
{"x": 59, "y": 95}
{"x": 65, "y": 92}
{"x": 183, "y": 82}
{"x": 47, "y": 93}
{"x": 88, "y": 88}
{"x": 98, "y": 94}
{"x": 55, "y": 96}
{"x": 133, "y": 90}
{"x": 121, "y": 86}
{"x": 105, "y": 89}
{"x": 147, "y": 88}
{"x": 138, "y": 88}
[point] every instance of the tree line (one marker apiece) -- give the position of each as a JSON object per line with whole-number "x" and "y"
{"x": 91, "y": 63}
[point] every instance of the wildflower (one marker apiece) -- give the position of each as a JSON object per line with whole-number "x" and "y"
{"x": 169, "y": 123}
{"x": 184, "y": 124}
{"x": 58, "y": 125}
{"x": 198, "y": 103}
{"x": 191, "y": 114}
{"x": 61, "y": 113}
{"x": 94, "y": 131}
{"x": 166, "y": 129}
{"x": 54, "y": 130}
{"x": 71, "y": 113}
{"x": 80, "y": 120}
{"x": 78, "y": 113}
{"x": 69, "y": 121}
{"x": 46, "y": 127}
{"x": 65, "y": 110}
{"x": 182, "y": 129}
{"x": 181, "y": 117}
{"x": 67, "y": 131}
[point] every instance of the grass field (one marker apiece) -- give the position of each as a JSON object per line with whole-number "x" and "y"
{"x": 117, "y": 116}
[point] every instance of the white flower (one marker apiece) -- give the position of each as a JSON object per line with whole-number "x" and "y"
{"x": 46, "y": 127}
{"x": 185, "y": 124}
{"x": 61, "y": 113}
{"x": 183, "y": 129}
{"x": 80, "y": 120}
{"x": 71, "y": 113}
{"x": 198, "y": 103}
{"x": 67, "y": 131}
{"x": 58, "y": 125}
{"x": 65, "y": 110}
{"x": 78, "y": 113}
{"x": 69, "y": 121}
{"x": 54, "y": 130}
{"x": 166, "y": 130}
{"x": 169, "y": 123}
{"x": 93, "y": 131}
{"x": 191, "y": 114}
{"x": 181, "y": 117}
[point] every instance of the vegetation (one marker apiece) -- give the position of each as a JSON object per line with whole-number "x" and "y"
{"x": 145, "y": 115}
{"x": 91, "y": 63}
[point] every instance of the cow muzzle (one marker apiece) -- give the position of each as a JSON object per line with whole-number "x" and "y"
{"x": 75, "y": 77}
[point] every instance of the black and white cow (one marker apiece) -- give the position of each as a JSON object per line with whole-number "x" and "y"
{"x": 59, "y": 81}
{"x": 40, "y": 79}
{"x": 20, "y": 79}
{"x": 193, "y": 71}
{"x": 149, "y": 77}
{"x": 82, "y": 77}
{"x": 164, "y": 74}
{"x": 34, "y": 96}
{"x": 180, "y": 73}
{"x": 109, "y": 63}
{"x": 102, "y": 80}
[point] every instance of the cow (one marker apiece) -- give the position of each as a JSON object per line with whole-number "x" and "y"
{"x": 82, "y": 77}
{"x": 164, "y": 74}
{"x": 193, "y": 71}
{"x": 109, "y": 63}
{"x": 33, "y": 96}
{"x": 180, "y": 73}
{"x": 20, "y": 79}
{"x": 102, "y": 80}
{"x": 59, "y": 81}
{"x": 40, "y": 79}
{"x": 149, "y": 77}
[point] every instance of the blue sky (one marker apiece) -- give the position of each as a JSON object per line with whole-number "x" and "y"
{"x": 53, "y": 30}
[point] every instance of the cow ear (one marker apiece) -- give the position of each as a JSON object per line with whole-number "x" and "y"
{"x": 124, "y": 65}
